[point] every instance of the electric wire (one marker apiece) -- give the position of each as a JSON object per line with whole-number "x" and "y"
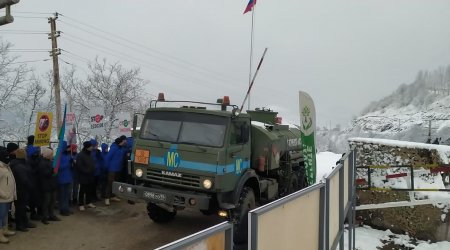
{"x": 30, "y": 17}
{"x": 147, "y": 48}
{"x": 115, "y": 53}
{"x": 141, "y": 63}
{"x": 30, "y": 61}
{"x": 132, "y": 48}
{"x": 32, "y": 12}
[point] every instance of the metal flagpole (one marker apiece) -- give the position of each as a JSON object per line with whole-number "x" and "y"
{"x": 251, "y": 54}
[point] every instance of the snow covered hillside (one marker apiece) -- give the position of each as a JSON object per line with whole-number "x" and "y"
{"x": 404, "y": 115}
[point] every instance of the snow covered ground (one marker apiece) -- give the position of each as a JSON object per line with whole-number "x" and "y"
{"x": 366, "y": 237}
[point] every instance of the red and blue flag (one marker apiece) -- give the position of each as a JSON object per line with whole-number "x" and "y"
{"x": 250, "y": 5}
{"x": 60, "y": 149}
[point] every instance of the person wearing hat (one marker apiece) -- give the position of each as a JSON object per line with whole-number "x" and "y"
{"x": 49, "y": 185}
{"x": 33, "y": 158}
{"x": 64, "y": 180}
{"x": 22, "y": 176}
{"x": 98, "y": 159}
{"x": 7, "y": 194}
{"x": 85, "y": 167}
{"x": 114, "y": 162}
{"x": 11, "y": 148}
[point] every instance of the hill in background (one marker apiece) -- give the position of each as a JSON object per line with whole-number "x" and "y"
{"x": 416, "y": 112}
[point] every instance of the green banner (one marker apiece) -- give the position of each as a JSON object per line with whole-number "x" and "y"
{"x": 308, "y": 131}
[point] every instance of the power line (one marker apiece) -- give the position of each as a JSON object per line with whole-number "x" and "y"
{"x": 132, "y": 48}
{"x": 75, "y": 56}
{"x": 37, "y": 31}
{"x": 140, "y": 62}
{"x": 147, "y": 48}
{"x": 31, "y": 17}
{"x": 115, "y": 53}
{"x": 31, "y": 61}
{"x": 36, "y": 13}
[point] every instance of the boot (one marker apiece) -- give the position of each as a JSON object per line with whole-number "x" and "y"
{"x": 8, "y": 232}
{"x": 3, "y": 239}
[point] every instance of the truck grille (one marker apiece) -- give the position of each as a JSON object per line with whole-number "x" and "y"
{"x": 186, "y": 179}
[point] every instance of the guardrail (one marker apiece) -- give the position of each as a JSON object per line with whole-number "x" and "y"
{"x": 312, "y": 218}
{"x": 217, "y": 237}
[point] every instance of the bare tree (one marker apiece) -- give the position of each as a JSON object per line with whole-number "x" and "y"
{"x": 111, "y": 86}
{"x": 12, "y": 76}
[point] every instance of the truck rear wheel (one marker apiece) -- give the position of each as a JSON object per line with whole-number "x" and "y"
{"x": 158, "y": 214}
{"x": 246, "y": 203}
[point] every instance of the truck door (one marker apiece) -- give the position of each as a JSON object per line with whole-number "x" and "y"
{"x": 238, "y": 153}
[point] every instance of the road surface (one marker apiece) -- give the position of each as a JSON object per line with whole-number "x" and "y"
{"x": 119, "y": 226}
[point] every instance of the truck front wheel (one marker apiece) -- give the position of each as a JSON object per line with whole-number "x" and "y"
{"x": 247, "y": 202}
{"x": 158, "y": 214}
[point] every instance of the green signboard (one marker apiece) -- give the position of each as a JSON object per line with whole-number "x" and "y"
{"x": 308, "y": 128}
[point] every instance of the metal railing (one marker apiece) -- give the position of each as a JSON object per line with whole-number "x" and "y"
{"x": 312, "y": 218}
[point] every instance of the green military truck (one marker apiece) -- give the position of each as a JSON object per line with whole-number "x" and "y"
{"x": 215, "y": 160}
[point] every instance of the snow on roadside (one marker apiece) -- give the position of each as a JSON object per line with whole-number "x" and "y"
{"x": 326, "y": 161}
{"x": 368, "y": 238}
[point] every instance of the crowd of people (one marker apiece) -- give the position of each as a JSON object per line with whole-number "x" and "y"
{"x": 32, "y": 187}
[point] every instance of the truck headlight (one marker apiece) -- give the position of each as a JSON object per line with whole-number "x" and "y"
{"x": 138, "y": 172}
{"x": 207, "y": 183}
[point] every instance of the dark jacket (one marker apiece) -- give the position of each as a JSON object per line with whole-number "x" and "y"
{"x": 47, "y": 180}
{"x": 99, "y": 161}
{"x": 22, "y": 175}
{"x": 85, "y": 167}
{"x": 64, "y": 171}
{"x": 115, "y": 158}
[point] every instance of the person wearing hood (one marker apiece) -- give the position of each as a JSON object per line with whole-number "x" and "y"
{"x": 7, "y": 194}
{"x": 64, "y": 180}
{"x": 85, "y": 168}
{"x": 22, "y": 175}
{"x": 104, "y": 171}
{"x": 99, "y": 162}
{"x": 114, "y": 162}
{"x": 49, "y": 185}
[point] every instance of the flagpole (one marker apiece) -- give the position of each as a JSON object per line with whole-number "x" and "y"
{"x": 251, "y": 53}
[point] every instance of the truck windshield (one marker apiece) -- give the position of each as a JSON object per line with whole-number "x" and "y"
{"x": 183, "y": 127}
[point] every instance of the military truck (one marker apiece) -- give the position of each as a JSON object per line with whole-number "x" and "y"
{"x": 215, "y": 160}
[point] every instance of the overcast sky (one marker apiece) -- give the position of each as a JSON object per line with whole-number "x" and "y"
{"x": 345, "y": 54}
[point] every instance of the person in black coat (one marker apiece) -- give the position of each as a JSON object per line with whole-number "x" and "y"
{"x": 22, "y": 174}
{"x": 49, "y": 185}
{"x": 85, "y": 168}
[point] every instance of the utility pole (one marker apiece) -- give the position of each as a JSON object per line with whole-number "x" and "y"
{"x": 54, "y": 54}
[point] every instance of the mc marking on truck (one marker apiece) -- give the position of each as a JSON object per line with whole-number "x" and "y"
{"x": 172, "y": 159}
{"x": 238, "y": 169}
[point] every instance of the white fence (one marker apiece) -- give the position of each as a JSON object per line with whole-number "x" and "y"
{"x": 312, "y": 218}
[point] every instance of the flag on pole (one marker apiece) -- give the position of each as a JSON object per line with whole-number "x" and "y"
{"x": 60, "y": 149}
{"x": 250, "y": 5}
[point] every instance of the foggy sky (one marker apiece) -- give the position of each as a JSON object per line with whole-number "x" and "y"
{"x": 345, "y": 54}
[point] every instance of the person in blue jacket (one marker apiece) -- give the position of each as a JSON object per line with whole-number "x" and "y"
{"x": 114, "y": 162}
{"x": 104, "y": 171}
{"x": 33, "y": 158}
{"x": 99, "y": 163}
{"x": 65, "y": 180}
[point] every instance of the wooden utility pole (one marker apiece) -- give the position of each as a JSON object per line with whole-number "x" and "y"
{"x": 54, "y": 54}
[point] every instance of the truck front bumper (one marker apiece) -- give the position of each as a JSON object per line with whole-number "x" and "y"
{"x": 173, "y": 198}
